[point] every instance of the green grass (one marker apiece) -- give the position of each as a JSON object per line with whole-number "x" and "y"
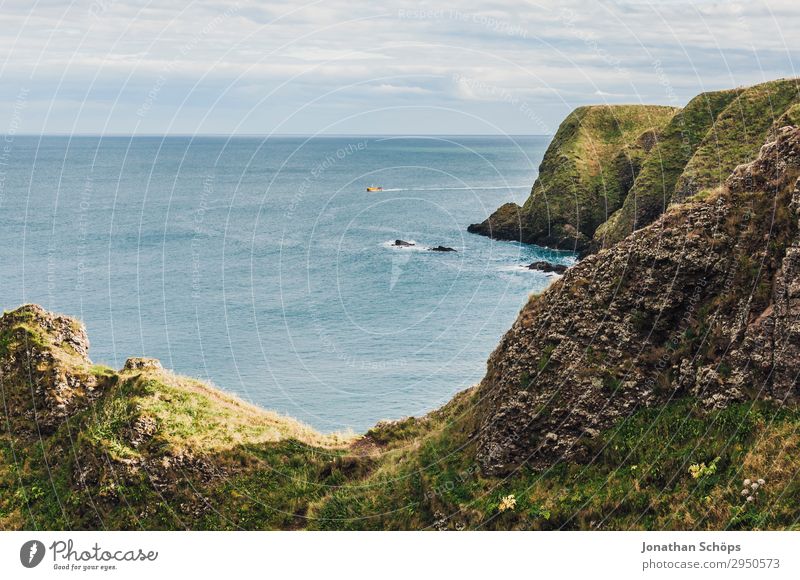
{"x": 737, "y": 135}
{"x": 209, "y": 461}
{"x": 654, "y": 186}
{"x": 699, "y": 148}
{"x": 639, "y": 479}
{"x": 582, "y": 178}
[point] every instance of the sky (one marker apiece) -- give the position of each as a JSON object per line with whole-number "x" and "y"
{"x": 380, "y": 67}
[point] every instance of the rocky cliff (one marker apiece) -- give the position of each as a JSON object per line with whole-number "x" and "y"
{"x": 700, "y": 304}
{"x": 584, "y": 177}
{"x": 612, "y": 170}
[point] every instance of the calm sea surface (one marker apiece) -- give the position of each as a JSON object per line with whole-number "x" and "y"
{"x": 263, "y": 266}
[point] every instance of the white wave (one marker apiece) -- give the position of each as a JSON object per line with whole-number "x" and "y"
{"x": 521, "y": 268}
{"x": 416, "y": 247}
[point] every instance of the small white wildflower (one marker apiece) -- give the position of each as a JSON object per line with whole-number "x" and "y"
{"x": 749, "y": 498}
{"x": 745, "y": 491}
{"x": 746, "y": 482}
{"x": 509, "y": 502}
{"x": 754, "y": 485}
{"x": 761, "y": 482}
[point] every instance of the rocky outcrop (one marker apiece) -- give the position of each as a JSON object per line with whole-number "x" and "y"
{"x": 584, "y": 176}
{"x": 45, "y": 369}
{"x": 703, "y": 303}
{"x": 504, "y": 224}
{"x": 142, "y": 364}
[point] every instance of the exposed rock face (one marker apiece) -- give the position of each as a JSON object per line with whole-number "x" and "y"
{"x": 142, "y": 364}
{"x": 703, "y": 303}
{"x": 45, "y": 369}
{"x": 504, "y": 224}
{"x": 585, "y": 175}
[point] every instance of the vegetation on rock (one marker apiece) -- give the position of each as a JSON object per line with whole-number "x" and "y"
{"x": 584, "y": 176}
{"x": 597, "y": 185}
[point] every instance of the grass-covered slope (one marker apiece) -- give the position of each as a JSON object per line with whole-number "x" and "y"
{"x": 157, "y": 451}
{"x": 737, "y": 135}
{"x": 611, "y": 170}
{"x": 147, "y": 450}
{"x": 583, "y": 178}
{"x": 676, "y": 467}
{"x": 699, "y": 148}
{"x": 652, "y": 190}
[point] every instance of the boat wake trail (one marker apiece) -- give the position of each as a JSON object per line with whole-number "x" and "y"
{"x": 385, "y": 189}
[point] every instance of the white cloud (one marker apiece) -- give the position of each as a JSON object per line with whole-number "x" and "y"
{"x": 549, "y": 55}
{"x": 389, "y": 89}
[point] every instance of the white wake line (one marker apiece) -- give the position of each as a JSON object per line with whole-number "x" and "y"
{"x": 451, "y": 188}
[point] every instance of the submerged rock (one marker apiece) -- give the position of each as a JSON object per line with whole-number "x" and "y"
{"x": 442, "y": 249}
{"x": 403, "y": 244}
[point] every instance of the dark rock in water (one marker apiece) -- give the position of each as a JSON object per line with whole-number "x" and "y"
{"x": 442, "y": 249}
{"x": 403, "y": 243}
{"x": 548, "y": 267}
{"x": 504, "y": 224}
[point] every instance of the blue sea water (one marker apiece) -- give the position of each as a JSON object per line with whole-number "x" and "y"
{"x": 263, "y": 266}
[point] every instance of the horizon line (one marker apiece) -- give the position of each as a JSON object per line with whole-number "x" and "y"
{"x": 267, "y": 135}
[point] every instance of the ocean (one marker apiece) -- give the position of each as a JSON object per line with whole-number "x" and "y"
{"x": 263, "y": 266}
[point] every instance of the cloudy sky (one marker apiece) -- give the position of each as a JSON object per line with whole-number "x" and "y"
{"x": 254, "y": 66}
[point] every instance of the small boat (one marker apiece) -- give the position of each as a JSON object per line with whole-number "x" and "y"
{"x": 374, "y": 188}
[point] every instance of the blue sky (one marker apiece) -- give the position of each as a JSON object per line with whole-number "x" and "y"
{"x": 495, "y": 66}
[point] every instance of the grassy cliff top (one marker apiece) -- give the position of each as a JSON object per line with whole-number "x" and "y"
{"x": 583, "y": 177}
{"x": 699, "y": 148}
{"x": 613, "y": 169}
{"x": 592, "y": 135}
